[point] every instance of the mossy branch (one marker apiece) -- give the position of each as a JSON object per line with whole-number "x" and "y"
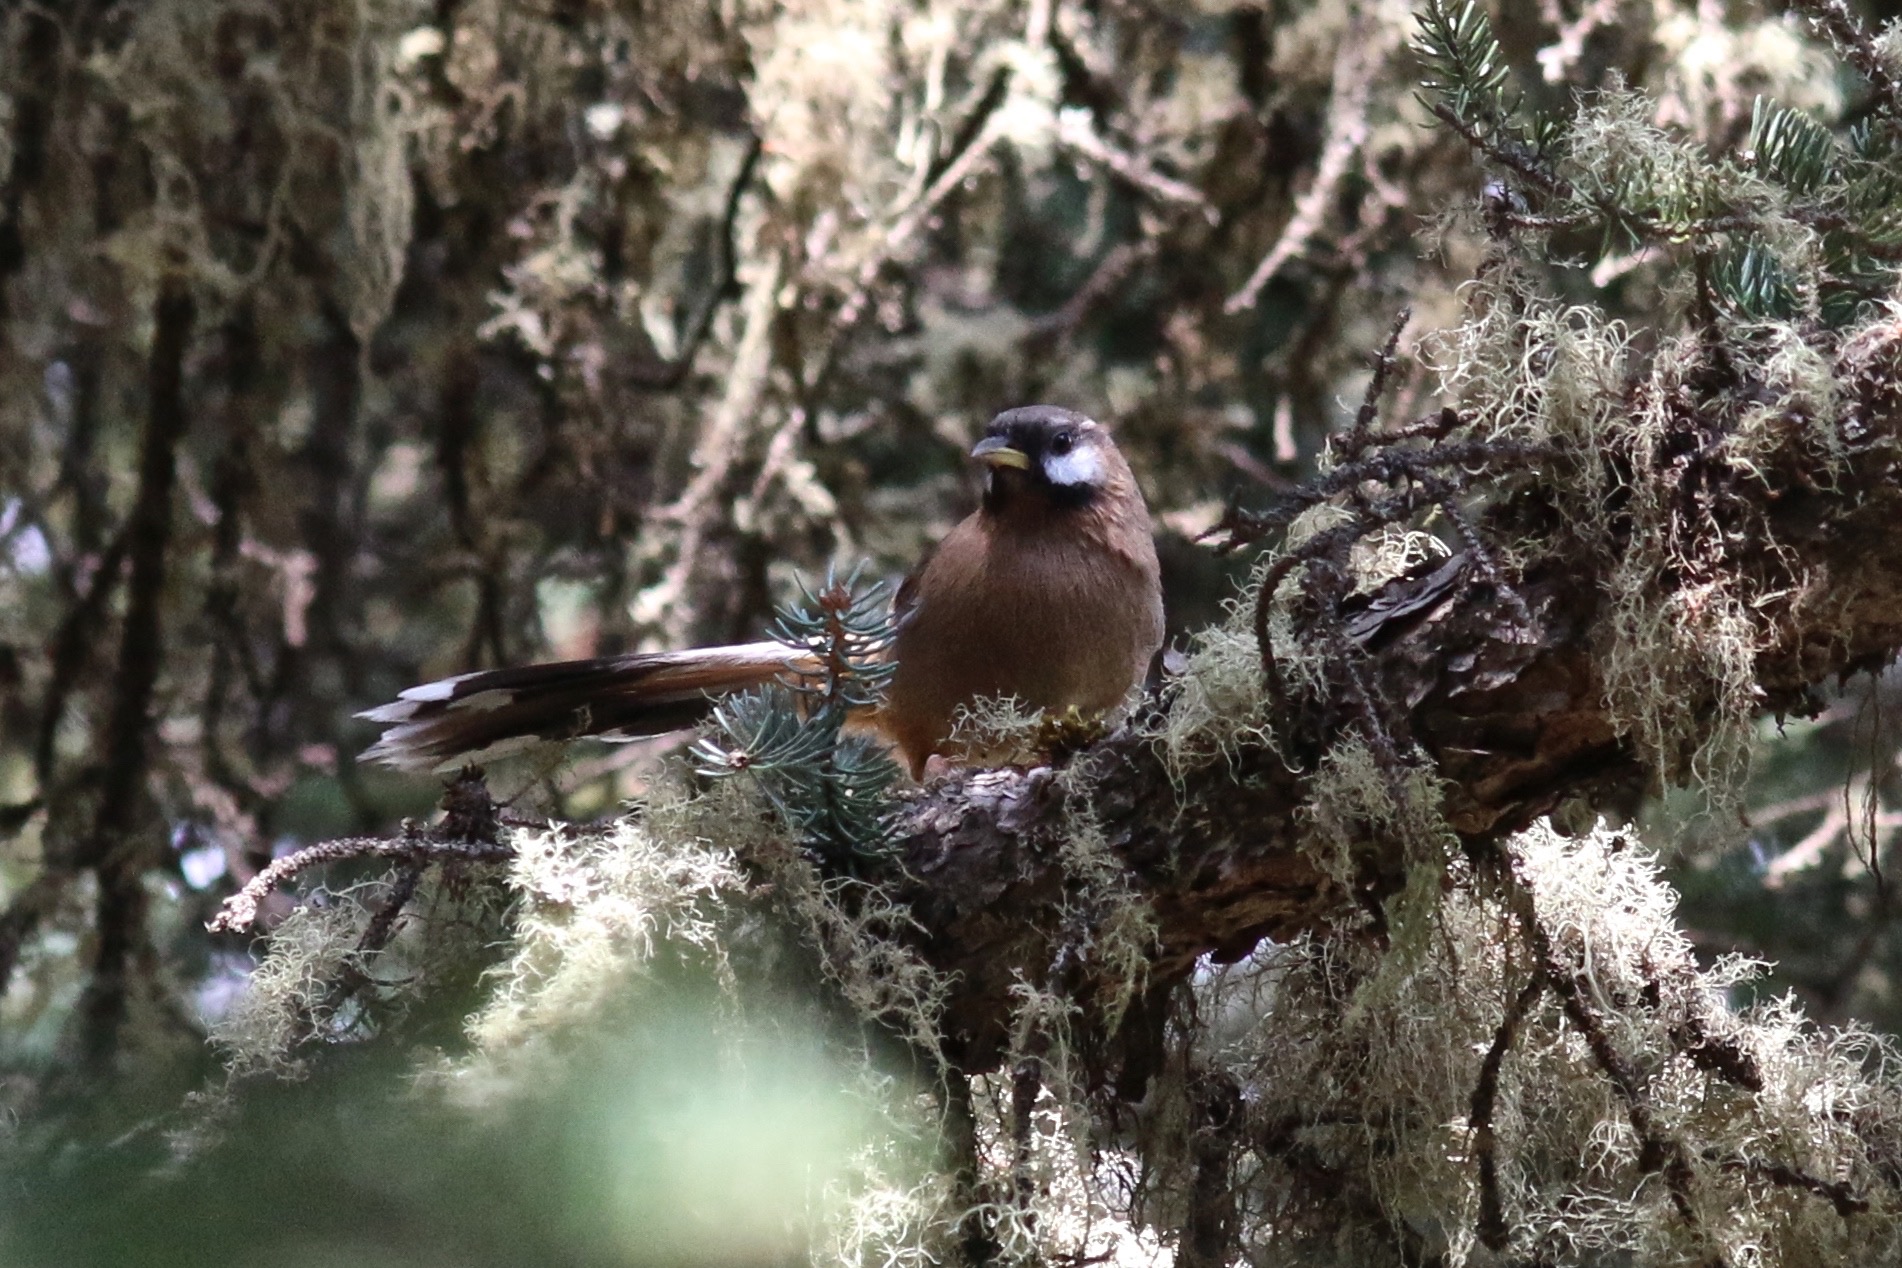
{"x": 467, "y": 833}
{"x": 1515, "y": 725}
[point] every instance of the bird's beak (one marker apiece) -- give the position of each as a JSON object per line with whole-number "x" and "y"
{"x": 995, "y": 451}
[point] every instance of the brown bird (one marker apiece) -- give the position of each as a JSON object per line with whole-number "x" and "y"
{"x": 1048, "y": 592}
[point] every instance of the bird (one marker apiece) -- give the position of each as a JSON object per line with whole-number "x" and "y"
{"x": 1049, "y": 592}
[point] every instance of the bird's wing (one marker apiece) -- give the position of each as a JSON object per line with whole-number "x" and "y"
{"x": 905, "y": 602}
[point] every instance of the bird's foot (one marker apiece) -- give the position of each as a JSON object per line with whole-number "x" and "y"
{"x": 1060, "y": 734}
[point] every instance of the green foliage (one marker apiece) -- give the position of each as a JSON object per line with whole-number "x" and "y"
{"x": 1790, "y": 148}
{"x": 847, "y": 627}
{"x": 1470, "y": 73}
{"x": 830, "y": 786}
{"x": 1469, "y": 77}
{"x": 1753, "y": 282}
{"x": 1794, "y": 223}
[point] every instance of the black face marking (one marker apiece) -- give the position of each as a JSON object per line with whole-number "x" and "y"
{"x": 1058, "y": 444}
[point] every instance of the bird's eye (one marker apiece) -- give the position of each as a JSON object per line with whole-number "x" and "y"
{"x": 1061, "y": 442}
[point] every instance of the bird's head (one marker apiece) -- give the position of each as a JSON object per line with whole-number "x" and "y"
{"x": 1044, "y": 452}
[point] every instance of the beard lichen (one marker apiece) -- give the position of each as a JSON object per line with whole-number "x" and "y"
{"x": 1365, "y": 1100}
{"x": 283, "y": 997}
{"x": 1218, "y": 708}
{"x": 340, "y": 968}
{"x": 1627, "y": 1110}
{"x": 1656, "y": 468}
{"x": 592, "y": 911}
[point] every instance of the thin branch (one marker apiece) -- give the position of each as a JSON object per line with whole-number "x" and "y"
{"x": 1074, "y": 130}
{"x": 1485, "y": 560}
{"x": 1806, "y": 852}
{"x": 240, "y": 911}
{"x": 1356, "y": 62}
{"x": 1361, "y": 434}
{"x": 1841, "y": 1196}
{"x": 1026, "y": 1085}
{"x": 376, "y": 935}
{"x": 666, "y": 375}
{"x": 1209, "y": 1231}
{"x": 911, "y": 216}
{"x": 1493, "y": 1232}
{"x": 1657, "y": 1150}
{"x": 1391, "y": 464}
{"x": 1109, "y": 274}
{"x": 965, "y": 135}
{"x": 1512, "y": 157}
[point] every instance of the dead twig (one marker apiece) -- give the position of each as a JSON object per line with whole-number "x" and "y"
{"x": 1074, "y": 130}
{"x": 665, "y": 375}
{"x": 1116, "y": 266}
{"x": 1841, "y": 1196}
{"x": 1356, "y": 62}
{"x": 1493, "y": 1232}
{"x": 1362, "y": 434}
{"x": 1658, "y": 1151}
{"x": 240, "y": 911}
{"x": 470, "y": 832}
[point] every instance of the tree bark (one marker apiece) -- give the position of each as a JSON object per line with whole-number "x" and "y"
{"x": 1514, "y": 716}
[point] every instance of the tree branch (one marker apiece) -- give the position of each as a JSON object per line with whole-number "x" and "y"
{"x": 1515, "y": 725}
{"x": 119, "y": 920}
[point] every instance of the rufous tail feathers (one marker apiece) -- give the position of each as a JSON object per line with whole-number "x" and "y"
{"x": 494, "y": 712}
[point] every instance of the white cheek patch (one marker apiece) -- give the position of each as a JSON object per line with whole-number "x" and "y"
{"x": 1082, "y": 465}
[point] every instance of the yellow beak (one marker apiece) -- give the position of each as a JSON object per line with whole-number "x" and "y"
{"x": 995, "y": 451}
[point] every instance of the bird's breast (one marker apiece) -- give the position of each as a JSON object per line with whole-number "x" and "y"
{"x": 1057, "y": 620}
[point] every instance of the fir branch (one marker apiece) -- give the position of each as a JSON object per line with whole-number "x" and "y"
{"x": 1467, "y": 73}
{"x": 830, "y": 788}
{"x": 1752, "y": 282}
{"x": 1660, "y": 193}
{"x": 1790, "y": 148}
{"x": 1514, "y": 158}
{"x": 1494, "y": 1233}
{"x": 847, "y": 628}
{"x": 1463, "y": 55}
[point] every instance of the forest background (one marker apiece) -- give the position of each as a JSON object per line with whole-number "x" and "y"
{"x": 349, "y": 343}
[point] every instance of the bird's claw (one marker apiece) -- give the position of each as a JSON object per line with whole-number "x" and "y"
{"x": 1072, "y": 729}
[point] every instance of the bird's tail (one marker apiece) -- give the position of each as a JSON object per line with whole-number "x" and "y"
{"x": 494, "y": 712}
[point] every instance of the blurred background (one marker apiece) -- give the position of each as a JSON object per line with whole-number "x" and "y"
{"x": 349, "y": 343}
